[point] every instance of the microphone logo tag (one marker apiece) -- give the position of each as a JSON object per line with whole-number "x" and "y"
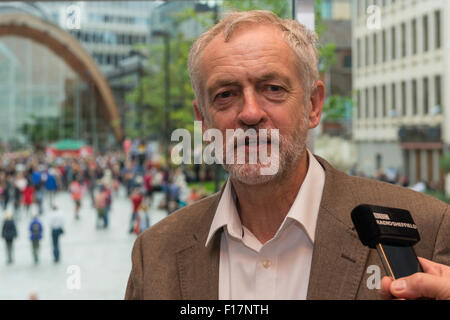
{"x": 381, "y": 216}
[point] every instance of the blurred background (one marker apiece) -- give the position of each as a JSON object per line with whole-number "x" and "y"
{"x": 90, "y": 92}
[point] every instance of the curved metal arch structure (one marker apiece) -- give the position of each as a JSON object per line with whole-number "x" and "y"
{"x": 64, "y": 45}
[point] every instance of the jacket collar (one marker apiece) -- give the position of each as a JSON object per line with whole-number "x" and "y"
{"x": 339, "y": 259}
{"x": 198, "y": 266}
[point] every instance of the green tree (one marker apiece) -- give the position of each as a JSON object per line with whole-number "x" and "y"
{"x": 148, "y": 96}
{"x": 327, "y": 55}
{"x": 282, "y": 9}
{"x": 337, "y": 107}
{"x": 39, "y": 129}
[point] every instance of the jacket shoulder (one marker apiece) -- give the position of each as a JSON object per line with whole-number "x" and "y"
{"x": 372, "y": 189}
{"x": 173, "y": 229}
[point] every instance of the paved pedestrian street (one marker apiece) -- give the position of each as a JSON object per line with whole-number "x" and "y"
{"x": 95, "y": 263}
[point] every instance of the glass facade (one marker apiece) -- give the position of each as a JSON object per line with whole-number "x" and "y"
{"x": 42, "y": 99}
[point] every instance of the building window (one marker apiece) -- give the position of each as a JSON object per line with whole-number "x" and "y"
{"x": 367, "y": 103}
{"x": 358, "y": 104}
{"x": 437, "y": 20}
{"x": 438, "y": 91}
{"x": 394, "y": 98}
{"x": 367, "y": 50}
{"x": 426, "y": 106}
{"x": 403, "y": 98}
{"x": 358, "y": 52}
{"x": 425, "y": 34}
{"x": 393, "y": 42}
{"x": 414, "y": 97}
{"x": 327, "y": 9}
{"x": 375, "y": 102}
{"x": 375, "y": 49}
{"x": 403, "y": 31}
{"x": 383, "y": 45}
{"x": 379, "y": 161}
{"x": 348, "y": 61}
{"x": 383, "y": 100}
{"x": 414, "y": 36}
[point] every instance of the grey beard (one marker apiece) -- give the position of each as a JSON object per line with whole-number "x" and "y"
{"x": 291, "y": 151}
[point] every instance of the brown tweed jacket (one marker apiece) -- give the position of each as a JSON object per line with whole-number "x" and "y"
{"x": 170, "y": 260}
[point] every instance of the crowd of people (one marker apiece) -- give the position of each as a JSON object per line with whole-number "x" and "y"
{"x": 30, "y": 182}
{"x": 392, "y": 176}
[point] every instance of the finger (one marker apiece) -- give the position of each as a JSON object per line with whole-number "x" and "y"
{"x": 416, "y": 286}
{"x": 430, "y": 267}
{"x": 385, "y": 291}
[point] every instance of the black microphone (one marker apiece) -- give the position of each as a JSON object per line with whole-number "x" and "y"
{"x": 393, "y": 233}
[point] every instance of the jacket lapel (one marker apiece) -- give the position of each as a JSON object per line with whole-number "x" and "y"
{"x": 339, "y": 259}
{"x": 198, "y": 266}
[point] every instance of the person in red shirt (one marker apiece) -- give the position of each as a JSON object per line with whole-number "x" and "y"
{"x": 136, "y": 200}
{"x": 76, "y": 191}
{"x": 28, "y": 197}
{"x": 101, "y": 203}
{"x": 148, "y": 185}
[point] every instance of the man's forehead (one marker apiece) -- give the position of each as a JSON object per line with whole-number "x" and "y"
{"x": 246, "y": 31}
{"x": 264, "y": 39}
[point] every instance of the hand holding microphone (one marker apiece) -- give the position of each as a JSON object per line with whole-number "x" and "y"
{"x": 393, "y": 233}
{"x": 434, "y": 283}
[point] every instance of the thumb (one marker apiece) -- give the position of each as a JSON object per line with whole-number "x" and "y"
{"x": 418, "y": 285}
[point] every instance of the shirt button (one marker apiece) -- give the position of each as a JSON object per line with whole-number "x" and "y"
{"x": 266, "y": 263}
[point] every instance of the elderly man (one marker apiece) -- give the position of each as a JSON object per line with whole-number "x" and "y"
{"x": 287, "y": 235}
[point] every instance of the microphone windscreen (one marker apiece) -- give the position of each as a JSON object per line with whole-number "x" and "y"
{"x": 389, "y": 226}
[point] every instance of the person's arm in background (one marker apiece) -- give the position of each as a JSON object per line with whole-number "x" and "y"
{"x": 433, "y": 283}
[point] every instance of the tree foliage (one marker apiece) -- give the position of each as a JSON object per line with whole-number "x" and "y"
{"x": 40, "y": 129}
{"x": 337, "y": 107}
{"x": 281, "y": 8}
{"x": 148, "y": 96}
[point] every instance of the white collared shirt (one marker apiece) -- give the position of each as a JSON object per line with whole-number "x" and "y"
{"x": 280, "y": 268}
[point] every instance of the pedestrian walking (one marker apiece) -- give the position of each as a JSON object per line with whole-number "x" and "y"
{"x": 148, "y": 185}
{"x": 28, "y": 197}
{"x": 19, "y": 186}
{"x": 9, "y": 233}
{"x": 35, "y": 236}
{"x": 51, "y": 184}
{"x": 39, "y": 197}
{"x": 7, "y": 187}
{"x": 36, "y": 181}
{"x": 136, "y": 201}
{"x": 56, "y": 221}
{"x": 108, "y": 196}
{"x": 101, "y": 203}
{"x": 76, "y": 191}
{"x": 142, "y": 219}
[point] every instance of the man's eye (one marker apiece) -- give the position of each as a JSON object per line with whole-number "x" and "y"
{"x": 224, "y": 95}
{"x": 274, "y": 88}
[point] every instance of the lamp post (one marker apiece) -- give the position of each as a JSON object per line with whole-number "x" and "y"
{"x": 303, "y": 11}
{"x": 165, "y": 35}
{"x": 215, "y": 10}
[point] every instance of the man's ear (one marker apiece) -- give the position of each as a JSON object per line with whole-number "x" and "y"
{"x": 199, "y": 115}
{"x": 316, "y": 104}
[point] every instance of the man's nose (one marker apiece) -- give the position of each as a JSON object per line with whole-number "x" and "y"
{"x": 251, "y": 113}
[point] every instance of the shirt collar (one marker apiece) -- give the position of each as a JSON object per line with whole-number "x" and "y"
{"x": 304, "y": 210}
{"x": 226, "y": 215}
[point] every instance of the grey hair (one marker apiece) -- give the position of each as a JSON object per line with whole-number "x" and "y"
{"x": 301, "y": 40}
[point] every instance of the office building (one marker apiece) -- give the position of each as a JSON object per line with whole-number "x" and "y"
{"x": 400, "y": 71}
